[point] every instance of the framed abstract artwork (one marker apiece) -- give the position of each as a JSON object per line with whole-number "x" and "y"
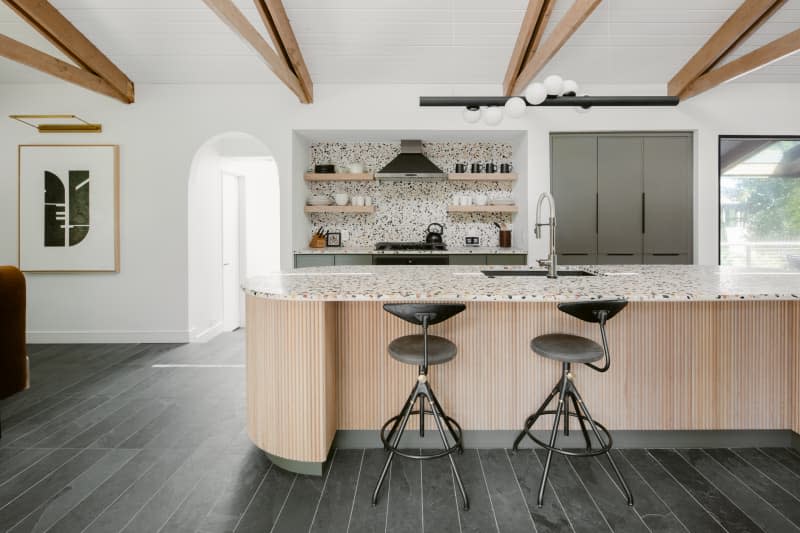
{"x": 69, "y": 208}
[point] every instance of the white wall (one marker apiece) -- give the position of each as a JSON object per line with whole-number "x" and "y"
{"x": 161, "y": 132}
{"x": 204, "y": 236}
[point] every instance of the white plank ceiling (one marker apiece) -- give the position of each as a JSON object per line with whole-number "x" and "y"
{"x": 401, "y": 41}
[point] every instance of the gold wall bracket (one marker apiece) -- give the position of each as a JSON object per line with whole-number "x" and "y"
{"x": 58, "y": 123}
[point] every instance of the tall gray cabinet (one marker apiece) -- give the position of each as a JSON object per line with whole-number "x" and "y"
{"x": 623, "y": 198}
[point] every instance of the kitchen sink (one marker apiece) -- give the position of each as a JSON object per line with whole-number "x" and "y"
{"x": 535, "y": 273}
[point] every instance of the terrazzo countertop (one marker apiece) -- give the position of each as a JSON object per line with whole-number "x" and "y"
{"x": 451, "y": 250}
{"x": 467, "y": 283}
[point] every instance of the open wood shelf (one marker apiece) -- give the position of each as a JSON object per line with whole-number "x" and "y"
{"x": 494, "y": 176}
{"x": 339, "y": 209}
{"x": 365, "y": 176}
{"x": 482, "y": 209}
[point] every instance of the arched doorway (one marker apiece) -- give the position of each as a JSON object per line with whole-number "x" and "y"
{"x": 234, "y": 229}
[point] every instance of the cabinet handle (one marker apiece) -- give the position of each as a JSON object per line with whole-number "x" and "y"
{"x": 670, "y": 254}
{"x": 643, "y": 223}
{"x": 620, "y": 253}
{"x": 597, "y": 212}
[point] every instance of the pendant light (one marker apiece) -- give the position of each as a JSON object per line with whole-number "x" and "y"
{"x": 515, "y": 107}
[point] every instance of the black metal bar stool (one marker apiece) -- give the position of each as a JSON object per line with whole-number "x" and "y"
{"x": 422, "y": 350}
{"x": 571, "y": 349}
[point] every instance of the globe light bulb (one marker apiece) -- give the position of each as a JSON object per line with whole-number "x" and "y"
{"x": 515, "y": 107}
{"x": 535, "y": 94}
{"x": 493, "y": 116}
{"x": 553, "y": 85}
{"x": 569, "y": 88}
{"x": 471, "y": 115}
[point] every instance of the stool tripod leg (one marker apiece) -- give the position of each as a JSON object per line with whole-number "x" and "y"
{"x": 395, "y": 442}
{"x": 580, "y": 421}
{"x": 535, "y": 416}
{"x": 437, "y": 417}
{"x": 596, "y": 432}
{"x": 435, "y": 401}
{"x": 411, "y": 399}
{"x": 422, "y": 415}
{"x": 553, "y": 436}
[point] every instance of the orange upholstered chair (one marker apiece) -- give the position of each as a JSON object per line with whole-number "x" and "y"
{"x": 13, "y": 354}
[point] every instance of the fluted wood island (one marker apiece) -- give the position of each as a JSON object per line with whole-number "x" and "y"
{"x": 698, "y": 348}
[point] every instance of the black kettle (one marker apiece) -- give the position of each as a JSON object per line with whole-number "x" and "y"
{"x": 434, "y": 237}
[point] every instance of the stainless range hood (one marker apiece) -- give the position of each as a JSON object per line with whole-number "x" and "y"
{"x": 411, "y": 164}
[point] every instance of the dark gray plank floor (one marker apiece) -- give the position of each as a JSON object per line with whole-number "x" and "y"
{"x": 105, "y": 441}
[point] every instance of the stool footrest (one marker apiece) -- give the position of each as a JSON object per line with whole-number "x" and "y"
{"x": 585, "y": 452}
{"x": 457, "y": 436}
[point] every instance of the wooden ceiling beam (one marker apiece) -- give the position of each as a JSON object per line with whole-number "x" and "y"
{"x": 51, "y": 24}
{"x": 769, "y": 53}
{"x": 31, "y": 57}
{"x": 741, "y": 23}
{"x": 572, "y": 20}
{"x": 227, "y": 11}
{"x": 530, "y": 34}
{"x": 280, "y": 31}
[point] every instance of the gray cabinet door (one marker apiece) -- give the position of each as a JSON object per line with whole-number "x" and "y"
{"x": 667, "y": 259}
{"x": 668, "y": 195}
{"x": 313, "y": 260}
{"x": 507, "y": 259}
{"x": 577, "y": 259}
{"x": 619, "y": 259}
{"x": 574, "y": 185}
{"x": 352, "y": 259}
{"x": 619, "y": 189}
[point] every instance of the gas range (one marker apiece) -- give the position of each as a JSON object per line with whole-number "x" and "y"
{"x": 410, "y": 246}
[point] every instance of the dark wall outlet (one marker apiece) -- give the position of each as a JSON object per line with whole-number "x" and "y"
{"x": 472, "y": 241}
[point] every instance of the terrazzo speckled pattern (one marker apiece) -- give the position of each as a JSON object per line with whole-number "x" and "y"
{"x": 451, "y": 250}
{"x": 405, "y": 208}
{"x": 467, "y": 283}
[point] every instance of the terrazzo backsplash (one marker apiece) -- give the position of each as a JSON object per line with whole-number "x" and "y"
{"x": 403, "y": 209}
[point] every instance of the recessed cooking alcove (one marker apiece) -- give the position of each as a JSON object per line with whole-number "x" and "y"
{"x": 404, "y": 208}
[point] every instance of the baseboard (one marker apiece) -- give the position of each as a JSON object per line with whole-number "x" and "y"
{"x": 91, "y": 337}
{"x": 206, "y": 335}
{"x": 622, "y": 439}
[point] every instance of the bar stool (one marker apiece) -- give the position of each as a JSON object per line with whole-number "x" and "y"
{"x": 422, "y": 351}
{"x": 571, "y": 349}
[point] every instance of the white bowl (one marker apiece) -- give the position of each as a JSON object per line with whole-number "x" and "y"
{"x": 481, "y": 199}
{"x": 341, "y": 198}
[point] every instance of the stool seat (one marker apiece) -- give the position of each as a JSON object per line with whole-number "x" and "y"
{"x": 410, "y": 349}
{"x": 567, "y": 348}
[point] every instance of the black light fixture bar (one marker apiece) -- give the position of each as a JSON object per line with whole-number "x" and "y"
{"x": 551, "y": 101}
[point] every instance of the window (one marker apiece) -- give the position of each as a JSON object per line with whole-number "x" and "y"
{"x": 759, "y": 202}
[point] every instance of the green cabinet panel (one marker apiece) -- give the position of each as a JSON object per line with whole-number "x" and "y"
{"x": 312, "y": 260}
{"x": 467, "y": 259}
{"x": 352, "y": 259}
{"x": 319, "y": 260}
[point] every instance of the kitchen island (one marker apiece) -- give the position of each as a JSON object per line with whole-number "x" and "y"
{"x": 707, "y": 350}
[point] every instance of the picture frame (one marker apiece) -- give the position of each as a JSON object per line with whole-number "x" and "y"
{"x": 333, "y": 239}
{"x": 68, "y": 208}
